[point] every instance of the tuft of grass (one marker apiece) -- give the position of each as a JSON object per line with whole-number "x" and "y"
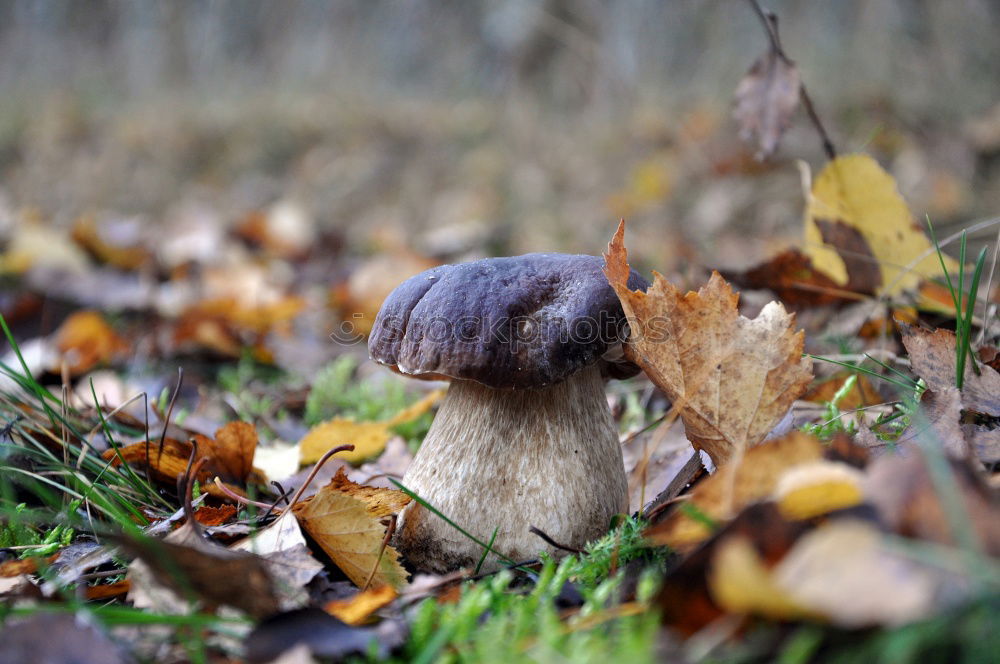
{"x": 496, "y": 622}
{"x": 964, "y": 307}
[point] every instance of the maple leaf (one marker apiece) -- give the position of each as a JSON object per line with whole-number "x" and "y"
{"x": 766, "y": 98}
{"x": 733, "y": 378}
{"x": 349, "y": 521}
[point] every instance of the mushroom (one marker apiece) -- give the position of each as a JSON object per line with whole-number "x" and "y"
{"x": 524, "y": 436}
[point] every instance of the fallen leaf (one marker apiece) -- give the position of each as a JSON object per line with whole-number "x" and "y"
{"x": 14, "y": 568}
{"x": 854, "y": 190}
{"x": 932, "y": 355}
{"x": 863, "y": 272}
{"x": 766, "y": 98}
{"x": 792, "y": 277}
{"x": 107, "y": 590}
{"x": 740, "y": 582}
{"x": 732, "y": 378}
{"x": 229, "y": 456}
{"x": 907, "y": 500}
{"x": 116, "y": 241}
{"x": 34, "y": 244}
{"x": 863, "y": 393}
{"x": 368, "y": 438}
{"x": 85, "y": 340}
{"x": 733, "y": 487}
{"x": 812, "y": 489}
{"x": 196, "y": 568}
{"x": 842, "y": 572}
{"x": 358, "y": 609}
{"x": 685, "y": 601}
{"x": 349, "y": 521}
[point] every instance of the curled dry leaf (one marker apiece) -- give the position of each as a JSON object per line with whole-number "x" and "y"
{"x": 733, "y": 487}
{"x": 229, "y": 456}
{"x": 85, "y": 340}
{"x": 853, "y": 191}
{"x": 732, "y": 378}
{"x": 349, "y": 521}
{"x": 766, "y": 98}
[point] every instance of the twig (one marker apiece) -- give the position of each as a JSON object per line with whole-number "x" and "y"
{"x": 552, "y": 542}
{"x": 166, "y": 421}
{"x": 389, "y": 532}
{"x": 770, "y": 21}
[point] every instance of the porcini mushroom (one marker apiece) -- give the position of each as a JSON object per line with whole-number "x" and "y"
{"x": 524, "y": 436}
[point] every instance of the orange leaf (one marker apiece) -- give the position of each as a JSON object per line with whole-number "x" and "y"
{"x": 85, "y": 340}
{"x": 732, "y": 378}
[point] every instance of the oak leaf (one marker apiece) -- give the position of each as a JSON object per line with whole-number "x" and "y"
{"x": 732, "y": 378}
{"x": 349, "y": 522}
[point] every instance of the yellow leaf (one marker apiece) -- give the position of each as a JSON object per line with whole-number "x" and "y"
{"x": 853, "y": 189}
{"x": 818, "y": 488}
{"x": 348, "y": 521}
{"x": 357, "y": 609}
{"x": 733, "y": 487}
{"x": 368, "y": 438}
{"x": 740, "y": 583}
{"x": 732, "y": 378}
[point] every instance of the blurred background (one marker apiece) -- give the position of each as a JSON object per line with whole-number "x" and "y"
{"x": 311, "y": 155}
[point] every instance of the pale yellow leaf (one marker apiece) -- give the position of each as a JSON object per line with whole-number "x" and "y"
{"x": 816, "y": 488}
{"x": 357, "y": 609}
{"x": 368, "y": 438}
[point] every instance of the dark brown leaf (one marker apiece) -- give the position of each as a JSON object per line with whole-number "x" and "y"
{"x": 766, "y": 98}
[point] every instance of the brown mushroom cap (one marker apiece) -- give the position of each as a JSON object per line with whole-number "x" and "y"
{"x": 520, "y": 322}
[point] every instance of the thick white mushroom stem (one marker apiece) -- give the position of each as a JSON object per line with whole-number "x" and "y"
{"x": 512, "y": 459}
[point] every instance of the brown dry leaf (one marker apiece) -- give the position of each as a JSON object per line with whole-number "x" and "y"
{"x": 208, "y": 515}
{"x": 842, "y": 572}
{"x": 229, "y": 456}
{"x": 85, "y": 340}
{"x": 358, "y": 609}
{"x": 907, "y": 500}
{"x": 932, "y": 354}
{"x": 107, "y": 590}
{"x": 188, "y": 564}
{"x": 14, "y": 568}
{"x": 733, "y": 378}
{"x": 368, "y": 438}
{"x": 730, "y": 489}
{"x": 794, "y": 280}
{"x": 117, "y": 242}
{"x": 853, "y": 190}
{"x": 349, "y": 521}
{"x": 766, "y": 98}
